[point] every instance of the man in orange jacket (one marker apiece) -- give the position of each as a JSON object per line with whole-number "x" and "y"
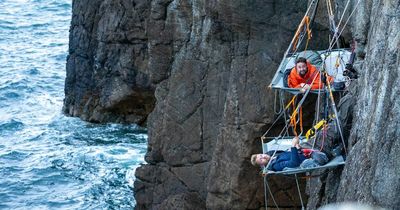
{"x": 304, "y": 76}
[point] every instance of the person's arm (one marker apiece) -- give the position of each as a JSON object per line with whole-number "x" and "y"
{"x": 292, "y": 81}
{"x": 294, "y": 160}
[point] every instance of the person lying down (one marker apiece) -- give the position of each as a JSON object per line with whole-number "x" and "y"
{"x": 306, "y": 158}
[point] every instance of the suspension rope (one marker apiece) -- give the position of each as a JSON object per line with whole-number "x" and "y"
{"x": 341, "y": 18}
{"x": 298, "y": 190}
{"x": 293, "y": 120}
{"x": 265, "y": 191}
{"x": 344, "y": 26}
{"x": 301, "y": 120}
{"x": 270, "y": 192}
{"x": 309, "y": 35}
{"x": 333, "y": 41}
{"x": 335, "y": 113}
{"x": 304, "y": 28}
{"x": 331, "y": 28}
{"x": 312, "y": 3}
{"x": 324, "y": 134}
{"x": 295, "y": 39}
{"x": 275, "y": 102}
{"x": 285, "y": 118}
{"x": 280, "y": 115}
{"x": 319, "y": 98}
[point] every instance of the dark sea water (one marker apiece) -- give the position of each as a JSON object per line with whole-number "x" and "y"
{"x": 47, "y": 160}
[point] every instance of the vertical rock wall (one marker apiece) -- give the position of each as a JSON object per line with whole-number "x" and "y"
{"x": 213, "y": 106}
{"x": 107, "y": 78}
{"x": 372, "y": 171}
{"x": 371, "y": 174}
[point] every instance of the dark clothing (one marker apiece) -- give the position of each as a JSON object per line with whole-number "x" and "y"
{"x": 289, "y": 159}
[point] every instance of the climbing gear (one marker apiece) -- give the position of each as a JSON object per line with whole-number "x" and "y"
{"x": 291, "y": 111}
{"x": 304, "y": 26}
{"x": 310, "y": 133}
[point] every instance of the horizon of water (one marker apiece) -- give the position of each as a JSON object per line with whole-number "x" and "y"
{"x": 48, "y": 160}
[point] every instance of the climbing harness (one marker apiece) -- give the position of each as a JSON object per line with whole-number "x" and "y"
{"x": 291, "y": 111}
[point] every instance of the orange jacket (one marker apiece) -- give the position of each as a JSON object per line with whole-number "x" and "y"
{"x": 294, "y": 79}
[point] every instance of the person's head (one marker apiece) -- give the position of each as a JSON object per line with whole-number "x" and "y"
{"x": 260, "y": 159}
{"x": 301, "y": 66}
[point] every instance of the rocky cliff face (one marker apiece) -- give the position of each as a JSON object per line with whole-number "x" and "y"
{"x": 107, "y": 75}
{"x": 371, "y": 172}
{"x": 213, "y": 106}
{"x": 201, "y": 69}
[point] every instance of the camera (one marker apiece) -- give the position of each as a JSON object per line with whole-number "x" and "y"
{"x": 350, "y": 72}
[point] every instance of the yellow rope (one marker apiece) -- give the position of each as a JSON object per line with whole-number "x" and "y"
{"x": 291, "y": 102}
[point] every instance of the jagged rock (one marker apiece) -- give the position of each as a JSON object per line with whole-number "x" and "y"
{"x": 212, "y": 106}
{"x": 107, "y": 62}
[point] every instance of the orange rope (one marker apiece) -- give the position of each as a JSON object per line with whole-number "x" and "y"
{"x": 301, "y": 119}
{"x": 291, "y": 102}
{"x": 309, "y": 34}
{"x": 304, "y": 24}
{"x": 293, "y": 120}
